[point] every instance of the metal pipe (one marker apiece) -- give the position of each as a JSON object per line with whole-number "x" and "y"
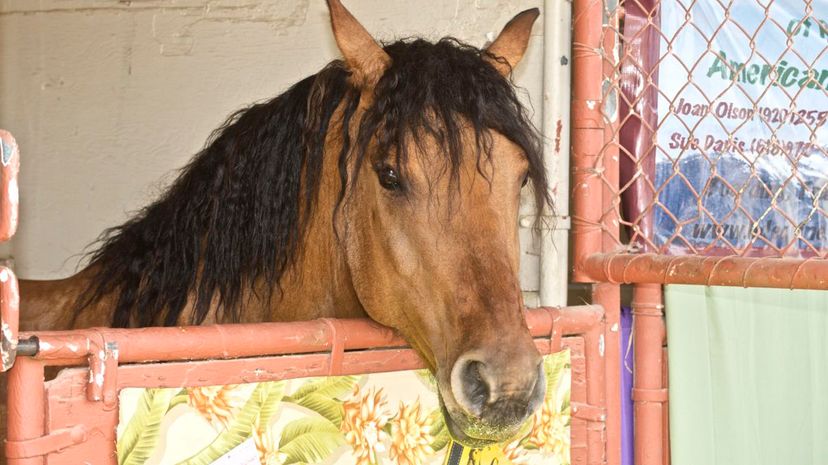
{"x": 26, "y": 410}
{"x": 233, "y": 341}
{"x": 587, "y": 133}
{"x": 9, "y": 200}
{"x": 554, "y": 240}
{"x": 27, "y": 347}
{"x": 9, "y": 317}
{"x": 608, "y": 296}
{"x": 275, "y": 367}
{"x": 665, "y": 418}
{"x": 783, "y": 273}
{"x": 649, "y": 394}
{"x": 594, "y": 348}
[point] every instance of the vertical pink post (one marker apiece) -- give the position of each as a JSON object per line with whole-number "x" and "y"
{"x": 649, "y": 394}
{"x": 9, "y": 198}
{"x": 26, "y": 411}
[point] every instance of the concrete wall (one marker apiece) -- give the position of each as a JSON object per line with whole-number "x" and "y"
{"x": 108, "y": 97}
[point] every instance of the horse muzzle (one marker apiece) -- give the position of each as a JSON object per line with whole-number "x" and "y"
{"x": 491, "y": 401}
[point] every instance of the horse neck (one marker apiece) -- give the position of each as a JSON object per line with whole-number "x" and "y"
{"x": 320, "y": 284}
{"x": 50, "y": 305}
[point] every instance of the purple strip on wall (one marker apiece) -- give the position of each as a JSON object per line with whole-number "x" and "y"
{"x": 626, "y": 387}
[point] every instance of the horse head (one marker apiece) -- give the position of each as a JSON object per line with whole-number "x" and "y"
{"x": 440, "y": 150}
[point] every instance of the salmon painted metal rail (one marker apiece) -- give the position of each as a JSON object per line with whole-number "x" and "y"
{"x": 9, "y": 300}
{"x": 72, "y": 418}
{"x": 783, "y": 273}
{"x": 729, "y": 231}
{"x": 592, "y": 193}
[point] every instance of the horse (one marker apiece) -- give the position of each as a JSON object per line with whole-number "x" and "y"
{"x": 386, "y": 186}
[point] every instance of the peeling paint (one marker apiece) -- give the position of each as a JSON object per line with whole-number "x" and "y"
{"x": 72, "y": 348}
{"x": 601, "y": 345}
{"x": 9, "y": 346}
{"x": 527, "y": 221}
{"x": 591, "y": 104}
{"x": 112, "y": 347}
{"x": 558, "y": 131}
{"x": 614, "y": 327}
{"x": 44, "y": 345}
{"x": 7, "y": 332}
{"x": 7, "y": 151}
{"x": 610, "y": 109}
{"x": 13, "y": 192}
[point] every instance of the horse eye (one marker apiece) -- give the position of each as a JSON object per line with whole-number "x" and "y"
{"x": 389, "y": 179}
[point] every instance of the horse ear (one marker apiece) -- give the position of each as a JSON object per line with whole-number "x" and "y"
{"x": 511, "y": 44}
{"x": 366, "y": 60}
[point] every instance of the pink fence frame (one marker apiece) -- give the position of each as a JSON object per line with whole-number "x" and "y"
{"x": 73, "y": 418}
{"x": 599, "y": 255}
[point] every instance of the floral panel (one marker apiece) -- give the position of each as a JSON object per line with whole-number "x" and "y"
{"x": 377, "y": 419}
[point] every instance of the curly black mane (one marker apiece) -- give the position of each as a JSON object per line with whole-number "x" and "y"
{"x": 238, "y": 211}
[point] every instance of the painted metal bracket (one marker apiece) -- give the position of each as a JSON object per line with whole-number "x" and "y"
{"x": 650, "y": 395}
{"x": 52, "y": 442}
{"x": 588, "y": 412}
{"x": 338, "y": 338}
{"x": 9, "y": 318}
{"x": 103, "y": 371}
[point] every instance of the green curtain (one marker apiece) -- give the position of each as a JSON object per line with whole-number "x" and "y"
{"x": 748, "y": 376}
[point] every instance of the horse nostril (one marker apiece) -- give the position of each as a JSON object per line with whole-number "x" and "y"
{"x": 471, "y": 385}
{"x": 477, "y": 391}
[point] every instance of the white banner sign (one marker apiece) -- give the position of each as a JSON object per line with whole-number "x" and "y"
{"x": 743, "y": 126}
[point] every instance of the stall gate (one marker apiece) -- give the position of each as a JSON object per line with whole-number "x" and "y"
{"x": 73, "y": 418}
{"x": 699, "y": 157}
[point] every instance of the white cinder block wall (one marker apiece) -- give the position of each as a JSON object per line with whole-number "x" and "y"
{"x": 107, "y": 98}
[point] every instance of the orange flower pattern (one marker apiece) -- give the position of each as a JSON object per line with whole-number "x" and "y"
{"x": 550, "y": 430}
{"x": 217, "y": 404}
{"x": 364, "y": 418}
{"x": 514, "y": 452}
{"x": 410, "y": 437}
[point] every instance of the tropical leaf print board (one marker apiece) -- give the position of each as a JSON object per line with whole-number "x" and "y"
{"x": 378, "y": 419}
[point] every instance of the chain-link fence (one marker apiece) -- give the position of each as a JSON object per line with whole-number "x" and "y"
{"x": 716, "y": 114}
